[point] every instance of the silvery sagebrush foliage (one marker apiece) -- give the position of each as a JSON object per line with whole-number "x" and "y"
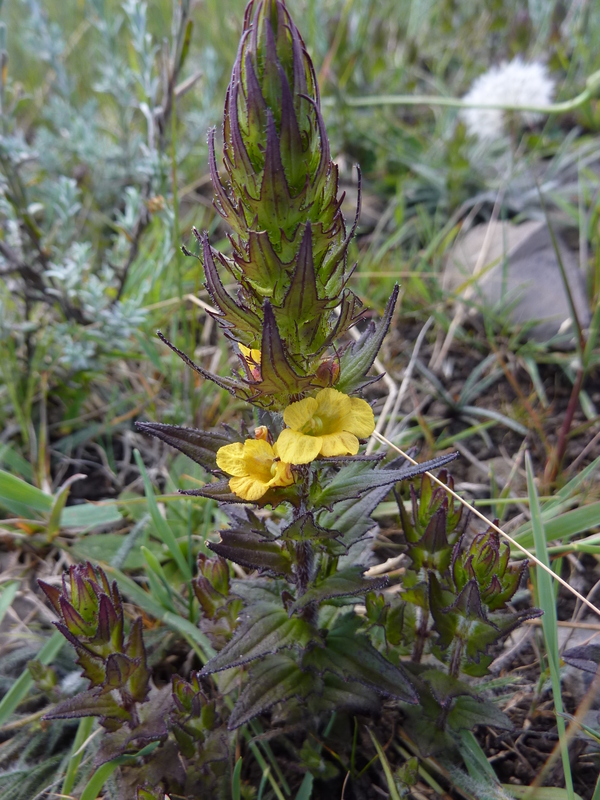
{"x": 290, "y": 638}
{"x": 77, "y": 195}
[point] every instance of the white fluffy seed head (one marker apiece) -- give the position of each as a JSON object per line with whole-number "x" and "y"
{"x": 513, "y": 83}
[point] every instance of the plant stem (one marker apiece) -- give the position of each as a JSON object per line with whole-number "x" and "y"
{"x": 453, "y": 102}
{"x": 558, "y": 453}
{"x": 421, "y": 636}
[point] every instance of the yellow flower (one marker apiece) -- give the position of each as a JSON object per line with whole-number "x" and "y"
{"x": 329, "y": 424}
{"x": 255, "y": 468}
{"x": 252, "y": 359}
{"x": 251, "y": 355}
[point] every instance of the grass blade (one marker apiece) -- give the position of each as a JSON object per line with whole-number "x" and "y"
{"x": 236, "y": 786}
{"x": 22, "y": 498}
{"x": 98, "y": 779}
{"x": 596, "y": 795}
{"x": 103, "y": 773}
{"x": 306, "y": 787}
{"x": 18, "y": 691}
{"x": 475, "y": 759}
{"x": 7, "y": 596}
{"x": 83, "y": 731}
{"x": 394, "y": 795}
{"x": 162, "y": 527}
{"x": 547, "y": 603}
{"x": 564, "y": 527}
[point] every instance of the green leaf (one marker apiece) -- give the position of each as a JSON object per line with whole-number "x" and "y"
{"x": 249, "y": 549}
{"x": 104, "y": 547}
{"x": 340, "y": 693}
{"x": 468, "y": 712}
{"x": 352, "y": 518}
{"x": 540, "y": 792}
{"x": 354, "y": 658}
{"x": 15, "y": 461}
{"x": 358, "y": 358}
{"x": 360, "y": 477}
{"x": 94, "y": 786}
{"x": 161, "y": 525}
{"x": 345, "y": 583}
{"x": 88, "y": 704}
{"x": 22, "y": 499}
{"x": 200, "y": 446}
{"x": 267, "y": 630}
{"x": 89, "y": 516}
{"x": 60, "y": 500}
{"x": 18, "y": 691}
{"x": 274, "y": 680}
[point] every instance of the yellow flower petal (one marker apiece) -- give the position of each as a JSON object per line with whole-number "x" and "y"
{"x": 258, "y": 459}
{"x": 360, "y": 421}
{"x": 254, "y": 467}
{"x": 230, "y": 459}
{"x": 297, "y": 448}
{"x": 298, "y": 414}
{"x": 332, "y": 407}
{"x": 339, "y": 444}
{"x": 248, "y": 488}
{"x": 250, "y": 354}
{"x": 283, "y": 474}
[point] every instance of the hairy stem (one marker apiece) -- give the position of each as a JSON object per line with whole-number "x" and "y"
{"x": 421, "y": 635}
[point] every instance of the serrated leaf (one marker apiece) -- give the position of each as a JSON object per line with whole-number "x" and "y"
{"x": 354, "y": 658}
{"x": 277, "y": 375}
{"x": 302, "y": 309}
{"x": 249, "y": 549}
{"x": 358, "y": 358}
{"x": 218, "y": 490}
{"x": 586, "y": 657}
{"x": 352, "y": 518}
{"x": 263, "y": 269}
{"x": 274, "y": 680}
{"x": 266, "y": 630}
{"x": 245, "y": 323}
{"x": 360, "y": 477}
{"x": 88, "y": 704}
{"x": 200, "y": 446}
{"x": 305, "y": 529}
{"x": 345, "y": 583}
{"x": 470, "y": 711}
{"x": 338, "y": 693}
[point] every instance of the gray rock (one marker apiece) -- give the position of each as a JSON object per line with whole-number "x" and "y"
{"x": 517, "y": 265}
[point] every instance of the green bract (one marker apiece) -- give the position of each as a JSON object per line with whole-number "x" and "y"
{"x": 289, "y": 239}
